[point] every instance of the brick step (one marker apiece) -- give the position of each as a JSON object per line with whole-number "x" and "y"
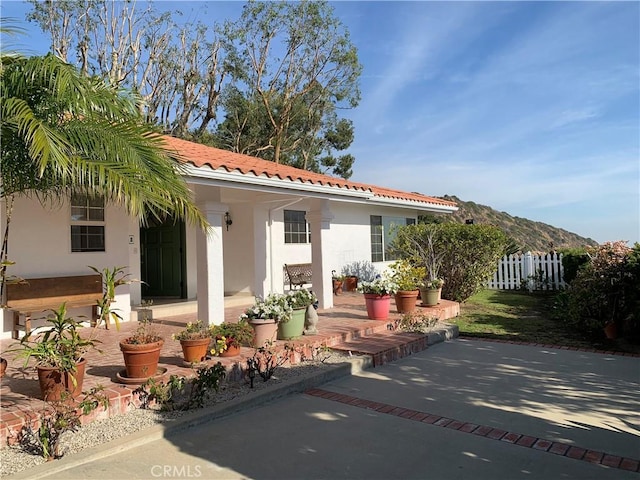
{"x": 386, "y": 346}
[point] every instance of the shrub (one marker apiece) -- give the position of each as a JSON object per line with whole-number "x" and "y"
{"x": 572, "y": 260}
{"x": 467, "y": 255}
{"x": 606, "y": 289}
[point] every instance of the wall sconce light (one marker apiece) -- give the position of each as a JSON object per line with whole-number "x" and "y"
{"x": 227, "y": 220}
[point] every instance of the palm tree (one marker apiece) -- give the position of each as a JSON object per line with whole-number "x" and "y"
{"x": 63, "y": 132}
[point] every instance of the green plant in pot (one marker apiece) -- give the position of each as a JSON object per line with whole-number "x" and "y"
{"x": 194, "y": 340}
{"x": 377, "y": 296}
{"x": 265, "y": 315}
{"x": 407, "y": 277}
{"x": 235, "y": 335}
{"x": 430, "y": 291}
{"x": 141, "y": 352}
{"x": 112, "y": 278}
{"x": 298, "y": 300}
{"x": 59, "y": 354}
{"x": 338, "y": 282}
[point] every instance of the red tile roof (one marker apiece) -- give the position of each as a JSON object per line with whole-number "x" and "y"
{"x": 202, "y": 155}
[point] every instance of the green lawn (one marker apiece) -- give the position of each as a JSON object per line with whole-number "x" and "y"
{"x": 522, "y": 316}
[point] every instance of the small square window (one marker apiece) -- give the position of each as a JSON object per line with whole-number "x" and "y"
{"x": 296, "y": 228}
{"x": 87, "y": 223}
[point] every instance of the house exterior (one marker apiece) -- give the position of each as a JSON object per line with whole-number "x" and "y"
{"x": 263, "y": 215}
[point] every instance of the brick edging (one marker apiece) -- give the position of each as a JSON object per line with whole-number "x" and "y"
{"x": 541, "y": 444}
{"x": 547, "y": 345}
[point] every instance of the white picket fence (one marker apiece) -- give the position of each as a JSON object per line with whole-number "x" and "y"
{"x": 534, "y": 272}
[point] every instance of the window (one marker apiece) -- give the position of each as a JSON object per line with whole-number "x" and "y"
{"x": 87, "y": 223}
{"x": 382, "y": 233}
{"x": 296, "y": 228}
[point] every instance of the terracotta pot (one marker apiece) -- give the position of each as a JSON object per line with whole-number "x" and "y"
{"x": 611, "y": 330}
{"x": 430, "y": 296}
{"x": 53, "y": 382}
{"x": 141, "y": 361}
{"x": 264, "y": 330}
{"x": 231, "y": 351}
{"x": 406, "y": 300}
{"x": 195, "y": 351}
{"x": 337, "y": 287}
{"x": 294, "y": 326}
{"x": 350, "y": 284}
{"x": 3, "y": 366}
{"x": 378, "y": 306}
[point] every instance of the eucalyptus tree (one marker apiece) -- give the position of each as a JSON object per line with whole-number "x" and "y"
{"x": 63, "y": 131}
{"x": 176, "y": 68}
{"x": 289, "y": 55}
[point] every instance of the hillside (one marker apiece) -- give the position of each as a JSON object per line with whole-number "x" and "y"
{"x": 527, "y": 234}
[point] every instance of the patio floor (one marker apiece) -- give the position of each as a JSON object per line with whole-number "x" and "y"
{"x": 344, "y": 327}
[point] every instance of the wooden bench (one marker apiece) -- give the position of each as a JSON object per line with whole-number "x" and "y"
{"x": 41, "y": 294}
{"x": 298, "y": 274}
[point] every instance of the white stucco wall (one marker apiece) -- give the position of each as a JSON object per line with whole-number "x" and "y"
{"x": 40, "y": 246}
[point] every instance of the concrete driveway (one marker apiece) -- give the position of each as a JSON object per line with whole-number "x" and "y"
{"x": 463, "y": 409}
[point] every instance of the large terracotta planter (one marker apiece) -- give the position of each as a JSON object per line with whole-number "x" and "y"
{"x": 378, "y": 306}
{"x": 406, "y": 300}
{"x": 350, "y": 284}
{"x": 264, "y": 330}
{"x": 195, "y": 351}
{"x": 337, "y": 287}
{"x": 53, "y": 382}
{"x": 430, "y": 296}
{"x": 141, "y": 361}
{"x": 294, "y": 326}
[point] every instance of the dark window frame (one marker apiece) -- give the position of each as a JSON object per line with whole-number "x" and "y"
{"x": 296, "y": 228}
{"x": 87, "y": 219}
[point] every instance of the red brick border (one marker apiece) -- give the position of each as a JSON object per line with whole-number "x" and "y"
{"x": 557, "y": 448}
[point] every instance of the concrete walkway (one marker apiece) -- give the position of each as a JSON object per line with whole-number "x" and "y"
{"x": 463, "y": 409}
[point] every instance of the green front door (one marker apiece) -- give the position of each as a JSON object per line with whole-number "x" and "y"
{"x": 161, "y": 259}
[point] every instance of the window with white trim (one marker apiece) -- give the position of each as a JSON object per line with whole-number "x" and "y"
{"x": 87, "y": 223}
{"x": 382, "y": 233}
{"x": 296, "y": 228}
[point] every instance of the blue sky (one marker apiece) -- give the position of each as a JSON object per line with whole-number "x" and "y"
{"x": 532, "y": 108}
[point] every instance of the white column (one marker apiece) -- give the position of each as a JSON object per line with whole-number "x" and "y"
{"x": 320, "y": 218}
{"x": 262, "y": 255}
{"x": 210, "y": 265}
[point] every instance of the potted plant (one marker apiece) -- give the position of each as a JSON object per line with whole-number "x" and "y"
{"x": 141, "y": 352}
{"x": 298, "y": 300}
{"x": 234, "y": 335}
{"x": 407, "y": 277}
{"x": 194, "y": 340}
{"x": 59, "y": 353}
{"x": 377, "y": 295}
{"x": 430, "y": 291}
{"x": 338, "y": 281}
{"x": 362, "y": 270}
{"x": 265, "y": 315}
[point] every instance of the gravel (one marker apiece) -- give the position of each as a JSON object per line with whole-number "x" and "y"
{"x": 14, "y": 459}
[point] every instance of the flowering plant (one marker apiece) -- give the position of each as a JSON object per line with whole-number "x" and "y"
{"x": 275, "y": 306}
{"x": 406, "y": 275}
{"x": 193, "y": 331}
{"x": 218, "y": 346}
{"x": 379, "y": 286}
{"x": 235, "y": 334}
{"x": 301, "y": 298}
